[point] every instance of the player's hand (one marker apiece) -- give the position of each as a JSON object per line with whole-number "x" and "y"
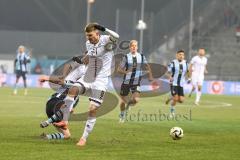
{"x": 171, "y": 79}
{"x": 100, "y": 28}
{"x": 205, "y": 71}
{"x": 43, "y": 79}
{"x": 85, "y": 59}
{"x": 77, "y": 59}
{"x": 151, "y": 79}
{"x": 129, "y": 70}
{"x": 155, "y": 84}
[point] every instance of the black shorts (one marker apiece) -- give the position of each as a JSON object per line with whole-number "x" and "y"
{"x": 21, "y": 74}
{"x": 126, "y": 88}
{"x": 177, "y": 90}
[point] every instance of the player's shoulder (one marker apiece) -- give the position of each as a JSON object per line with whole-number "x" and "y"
{"x": 88, "y": 43}
{"x": 104, "y": 38}
{"x": 174, "y": 61}
{"x": 195, "y": 57}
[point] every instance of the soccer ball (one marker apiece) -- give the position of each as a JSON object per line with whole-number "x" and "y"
{"x": 176, "y": 133}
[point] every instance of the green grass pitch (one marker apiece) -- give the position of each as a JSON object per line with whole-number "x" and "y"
{"x": 212, "y": 131}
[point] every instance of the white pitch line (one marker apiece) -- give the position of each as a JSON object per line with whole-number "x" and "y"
{"x": 213, "y": 104}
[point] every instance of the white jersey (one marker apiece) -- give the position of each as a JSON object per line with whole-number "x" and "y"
{"x": 100, "y": 60}
{"x": 198, "y": 65}
{"x": 78, "y": 71}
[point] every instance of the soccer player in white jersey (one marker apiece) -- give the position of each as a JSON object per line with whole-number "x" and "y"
{"x": 177, "y": 73}
{"x": 94, "y": 83}
{"x": 198, "y": 69}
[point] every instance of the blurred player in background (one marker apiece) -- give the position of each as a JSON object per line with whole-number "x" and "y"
{"x": 177, "y": 73}
{"x": 20, "y": 67}
{"x": 131, "y": 67}
{"x": 198, "y": 69}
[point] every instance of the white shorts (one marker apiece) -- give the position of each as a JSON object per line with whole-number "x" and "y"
{"x": 197, "y": 80}
{"x": 94, "y": 89}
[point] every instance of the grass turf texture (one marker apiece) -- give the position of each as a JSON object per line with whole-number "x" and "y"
{"x": 212, "y": 132}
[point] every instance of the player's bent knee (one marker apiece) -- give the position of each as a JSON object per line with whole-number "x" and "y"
{"x": 136, "y": 100}
{"x": 74, "y": 90}
{"x": 181, "y": 101}
{"x": 123, "y": 100}
{"x": 175, "y": 98}
{"x": 199, "y": 89}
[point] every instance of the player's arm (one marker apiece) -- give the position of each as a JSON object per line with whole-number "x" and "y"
{"x": 189, "y": 73}
{"x": 122, "y": 67}
{"x": 123, "y": 70}
{"x": 52, "y": 79}
{"x": 66, "y": 69}
{"x": 14, "y": 65}
{"x": 149, "y": 71}
{"x": 113, "y": 35}
{"x": 168, "y": 74}
{"x": 27, "y": 59}
{"x": 190, "y": 68}
{"x": 205, "y": 70}
{"x": 85, "y": 59}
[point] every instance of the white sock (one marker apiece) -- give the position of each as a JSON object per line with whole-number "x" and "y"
{"x": 69, "y": 101}
{"x": 172, "y": 108}
{"x": 88, "y": 127}
{"x": 198, "y": 95}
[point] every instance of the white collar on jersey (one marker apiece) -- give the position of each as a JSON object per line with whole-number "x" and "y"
{"x": 134, "y": 55}
{"x": 18, "y": 54}
{"x": 201, "y": 56}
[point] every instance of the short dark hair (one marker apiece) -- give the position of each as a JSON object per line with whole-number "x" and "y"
{"x": 180, "y": 51}
{"x": 90, "y": 27}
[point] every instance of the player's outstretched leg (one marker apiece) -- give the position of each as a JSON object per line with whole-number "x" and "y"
{"x": 65, "y": 109}
{"x": 190, "y": 94}
{"x": 89, "y": 124}
{"x": 169, "y": 98}
{"x": 198, "y": 95}
{"x": 16, "y": 86}
{"x": 135, "y": 98}
{"x": 56, "y": 117}
{"x": 122, "y": 110}
{"x": 172, "y": 106}
{"x": 63, "y": 133}
{"x": 25, "y": 85}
